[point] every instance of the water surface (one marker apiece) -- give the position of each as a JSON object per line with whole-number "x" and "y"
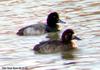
{"x": 81, "y": 15}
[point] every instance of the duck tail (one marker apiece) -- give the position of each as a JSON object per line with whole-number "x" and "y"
{"x": 36, "y": 48}
{"x": 20, "y": 32}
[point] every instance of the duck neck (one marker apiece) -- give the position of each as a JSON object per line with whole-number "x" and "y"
{"x": 52, "y": 25}
{"x": 52, "y": 28}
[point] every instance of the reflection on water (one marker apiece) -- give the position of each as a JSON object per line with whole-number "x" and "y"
{"x": 69, "y": 55}
{"x": 81, "y": 15}
{"x": 53, "y": 36}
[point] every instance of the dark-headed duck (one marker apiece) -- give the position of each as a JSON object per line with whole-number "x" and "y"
{"x": 37, "y": 29}
{"x": 66, "y": 43}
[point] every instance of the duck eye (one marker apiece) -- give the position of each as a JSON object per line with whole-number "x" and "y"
{"x": 69, "y": 33}
{"x": 66, "y": 37}
{"x": 54, "y": 16}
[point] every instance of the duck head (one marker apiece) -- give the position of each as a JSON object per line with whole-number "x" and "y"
{"x": 68, "y": 36}
{"x": 52, "y": 20}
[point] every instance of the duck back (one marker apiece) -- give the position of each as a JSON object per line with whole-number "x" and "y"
{"x": 48, "y": 47}
{"x": 35, "y": 29}
{"x": 52, "y": 47}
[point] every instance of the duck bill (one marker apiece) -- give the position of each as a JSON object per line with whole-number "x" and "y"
{"x": 60, "y": 21}
{"x": 77, "y": 38}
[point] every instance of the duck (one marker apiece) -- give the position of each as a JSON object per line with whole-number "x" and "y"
{"x": 38, "y": 29}
{"x": 67, "y": 42}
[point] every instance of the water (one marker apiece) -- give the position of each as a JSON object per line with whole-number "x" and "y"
{"x": 82, "y": 15}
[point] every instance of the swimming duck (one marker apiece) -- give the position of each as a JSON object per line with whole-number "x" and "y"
{"x": 66, "y": 43}
{"x": 37, "y": 29}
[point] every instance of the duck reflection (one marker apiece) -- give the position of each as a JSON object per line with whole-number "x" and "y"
{"x": 53, "y": 36}
{"x": 69, "y": 55}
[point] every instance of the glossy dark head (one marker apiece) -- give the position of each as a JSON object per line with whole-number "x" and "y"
{"x": 52, "y": 19}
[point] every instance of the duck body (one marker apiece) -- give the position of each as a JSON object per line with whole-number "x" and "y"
{"x": 52, "y": 47}
{"x": 66, "y": 43}
{"x": 38, "y": 29}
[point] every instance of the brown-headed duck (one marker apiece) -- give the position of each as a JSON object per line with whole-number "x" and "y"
{"x": 66, "y": 43}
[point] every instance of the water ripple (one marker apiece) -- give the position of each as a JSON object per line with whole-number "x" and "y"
{"x": 81, "y": 15}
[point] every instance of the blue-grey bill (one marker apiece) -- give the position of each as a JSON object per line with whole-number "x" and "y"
{"x": 60, "y": 21}
{"x": 77, "y": 38}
